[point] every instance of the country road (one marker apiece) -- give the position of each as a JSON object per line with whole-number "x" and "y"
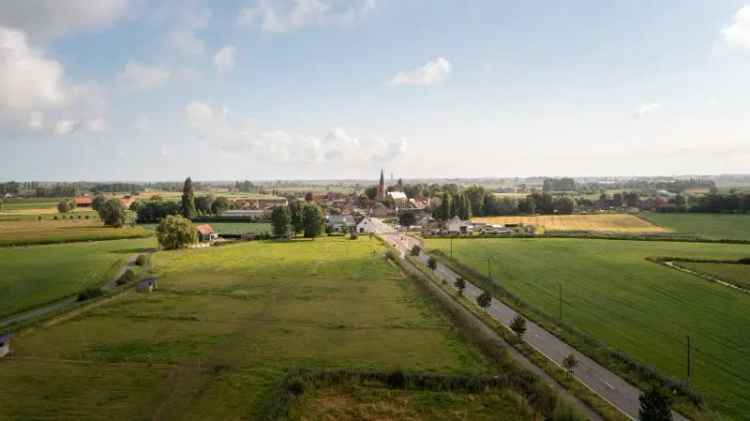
{"x": 606, "y": 384}
{"x": 61, "y": 304}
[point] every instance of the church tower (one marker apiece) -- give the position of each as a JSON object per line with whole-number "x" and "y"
{"x": 381, "y": 188}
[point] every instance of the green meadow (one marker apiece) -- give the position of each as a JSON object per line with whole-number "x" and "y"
{"x": 611, "y": 292}
{"x": 36, "y": 275}
{"x": 223, "y": 327}
{"x": 713, "y": 226}
{"x": 735, "y": 274}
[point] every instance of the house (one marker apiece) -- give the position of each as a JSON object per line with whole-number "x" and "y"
{"x": 8, "y": 195}
{"x": 206, "y": 233}
{"x": 4, "y": 345}
{"x": 399, "y": 198}
{"x": 380, "y": 211}
{"x": 83, "y": 201}
{"x": 127, "y": 200}
{"x": 457, "y": 226}
{"x": 341, "y": 223}
{"x": 146, "y": 285}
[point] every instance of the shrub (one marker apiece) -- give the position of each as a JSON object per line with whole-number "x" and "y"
{"x": 518, "y": 325}
{"x": 655, "y": 405}
{"x": 89, "y": 293}
{"x": 432, "y": 263}
{"x": 570, "y": 363}
{"x": 396, "y": 379}
{"x": 141, "y": 260}
{"x": 484, "y": 299}
{"x": 127, "y": 277}
{"x": 296, "y": 387}
{"x": 415, "y": 251}
{"x": 353, "y": 235}
{"x": 38, "y": 218}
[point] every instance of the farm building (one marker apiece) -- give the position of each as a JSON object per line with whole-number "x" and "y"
{"x": 83, "y": 201}
{"x": 341, "y": 223}
{"x": 4, "y": 345}
{"x": 146, "y": 285}
{"x": 206, "y": 233}
{"x": 458, "y": 226}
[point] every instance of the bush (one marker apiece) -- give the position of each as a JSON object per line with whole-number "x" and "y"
{"x": 432, "y": 263}
{"x": 518, "y": 325}
{"x": 127, "y": 277}
{"x": 415, "y": 251}
{"x": 396, "y": 380}
{"x": 353, "y": 235}
{"x": 141, "y": 260}
{"x": 655, "y": 405}
{"x": 484, "y": 299}
{"x": 89, "y": 293}
{"x": 570, "y": 363}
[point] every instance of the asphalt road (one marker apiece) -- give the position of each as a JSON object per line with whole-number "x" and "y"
{"x": 606, "y": 384}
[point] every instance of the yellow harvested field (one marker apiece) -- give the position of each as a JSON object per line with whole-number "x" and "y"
{"x": 597, "y": 223}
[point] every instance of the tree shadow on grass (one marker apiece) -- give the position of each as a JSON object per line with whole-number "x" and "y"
{"x": 134, "y": 250}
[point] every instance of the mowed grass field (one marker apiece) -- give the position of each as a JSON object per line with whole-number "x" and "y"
{"x": 32, "y": 231}
{"x": 31, "y": 276}
{"x": 371, "y": 403}
{"x": 222, "y": 329}
{"x": 230, "y": 227}
{"x": 621, "y": 223}
{"x": 714, "y": 226}
{"x": 612, "y": 293}
{"x": 733, "y": 273}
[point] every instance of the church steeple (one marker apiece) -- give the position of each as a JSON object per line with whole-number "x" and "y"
{"x": 381, "y": 188}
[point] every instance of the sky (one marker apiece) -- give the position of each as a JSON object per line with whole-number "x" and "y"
{"x": 143, "y": 90}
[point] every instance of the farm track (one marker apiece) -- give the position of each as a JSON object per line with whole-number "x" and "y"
{"x": 603, "y": 382}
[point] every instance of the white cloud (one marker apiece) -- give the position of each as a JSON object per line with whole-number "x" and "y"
{"x": 737, "y": 35}
{"x": 647, "y": 109}
{"x": 183, "y": 35}
{"x": 224, "y": 58}
{"x": 289, "y": 15}
{"x": 44, "y": 19}
{"x": 64, "y": 127}
{"x": 433, "y": 72}
{"x": 142, "y": 77}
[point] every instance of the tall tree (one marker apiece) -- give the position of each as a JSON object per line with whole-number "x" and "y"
{"x": 312, "y": 219}
{"x": 445, "y": 207}
{"x": 295, "y": 216}
{"x": 113, "y": 213}
{"x": 280, "y": 221}
{"x": 655, "y": 405}
{"x": 188, "y": 199}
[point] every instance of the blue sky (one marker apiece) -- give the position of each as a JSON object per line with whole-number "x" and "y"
{"x": 280, "y": 89}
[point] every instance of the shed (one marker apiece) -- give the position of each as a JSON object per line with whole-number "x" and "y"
{"x": 146, "y": 285}
{"x": 4, "y": 345}
{"x": 83, "y": 201}
{"x": 206, "y": 233}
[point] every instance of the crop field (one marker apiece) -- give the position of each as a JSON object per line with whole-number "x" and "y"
{"x": 709, "y": 225}
{"x": 31, "y": 276}
{"x": 612, "y": 293}
{"x": 370, "y": 403}
{"x": 32, "y": 231}
{"x": 223, "y": 327}
{"x": 230, "y": 227}
{"x": 621, "y": 223}
{"x": 733, "y": 273}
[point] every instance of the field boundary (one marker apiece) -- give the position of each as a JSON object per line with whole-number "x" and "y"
{"x": 602, "y": 235}
{"x": 674, "y": 263}
{"x": 83, "y": 239}
{"x": 687, "y": 401}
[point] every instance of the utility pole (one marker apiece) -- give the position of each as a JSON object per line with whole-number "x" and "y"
{"x": 688, "y": 360}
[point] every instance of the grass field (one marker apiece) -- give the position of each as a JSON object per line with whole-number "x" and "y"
{"x": 32, "y": 231}
{"x": 39, "y": 274}
{"x": 612, "y": 293}
{"x": 596, "y": 223}
{"x": 223, "y": 327}
{"x": 709, "y": 225}
{"x": 230, "y": 227}
{"x": 733, "y": 273}
{"x": 370, "y": 403}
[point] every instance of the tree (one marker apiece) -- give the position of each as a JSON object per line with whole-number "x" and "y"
{"x": 309, "y": 197}
{"x": 280, "y": 221}
{"x": 312, "y": 219}
{"x": 371, "y": 192}
{"x": 188, "y": 199}
{"x": 569, "y": 363}
{"x": 174, "y": 232}
{"x": 445, "y": 207}
{"x": 484, "y": 300}
{"x": 295, "y": 216}
{"x": 565, "y": 205}
{"x": 460, "y": 285}
{"x": 655, "y": 405}
{"x": 98, "y": 202}
{"x": 113, "y": 213}
{"x": 415, "y": 251}
{"x": 463, "y": 207}
{"x": 407, "y": 219}
{"x": 432, "y": 263}
{"x": 518, "y": 325}
{"x": 203, "y": 204}
{"x": 65, "y": 206}
{"x": 219, "y": 205}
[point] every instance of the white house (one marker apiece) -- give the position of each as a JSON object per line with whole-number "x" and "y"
{"x": 366, "y": 226}
{"x": 456, "y": 226}
{"x": 4, "y": 345}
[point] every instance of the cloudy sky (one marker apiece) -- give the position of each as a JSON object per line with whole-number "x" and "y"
{"x": 280, "y": 89}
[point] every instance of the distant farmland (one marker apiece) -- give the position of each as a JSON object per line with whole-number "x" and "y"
{"x": 611, "y": 292}
{"x": 33, "y": 231}
{"x": 595, "y": 223}
{"x": 709, "y": 225}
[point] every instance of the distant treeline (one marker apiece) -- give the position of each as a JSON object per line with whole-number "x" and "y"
{"x": 710, "y": 203}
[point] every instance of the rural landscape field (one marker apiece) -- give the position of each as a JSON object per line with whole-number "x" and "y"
{"x": 374, "y": 210}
